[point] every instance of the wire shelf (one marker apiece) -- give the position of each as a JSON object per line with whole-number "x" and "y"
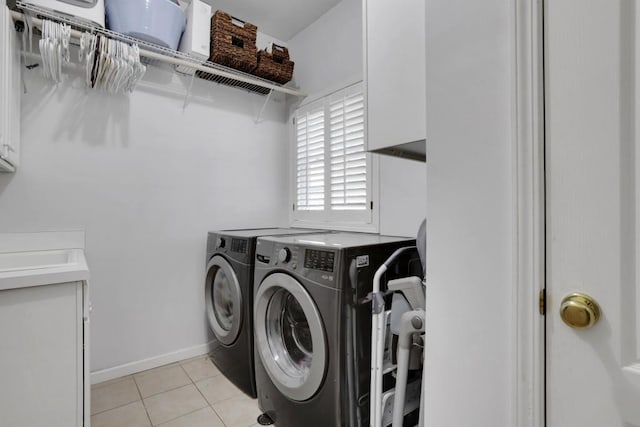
{"x": 204, "y": 69}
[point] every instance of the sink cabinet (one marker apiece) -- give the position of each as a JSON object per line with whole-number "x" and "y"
{"x": 10, "y": 92}
{"x": 44, "y": 332}
{"x": 42, "y": 363}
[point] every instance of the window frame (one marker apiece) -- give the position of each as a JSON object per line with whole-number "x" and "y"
{"x": 343, "y": 220}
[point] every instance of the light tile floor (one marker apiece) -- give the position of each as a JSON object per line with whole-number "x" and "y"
{"x": 191, "y": 393}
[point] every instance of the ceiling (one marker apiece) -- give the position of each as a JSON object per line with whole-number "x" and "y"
{"x": 281, "y": 19}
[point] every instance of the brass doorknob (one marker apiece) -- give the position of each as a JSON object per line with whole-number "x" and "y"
{"x": 579, "y": 311}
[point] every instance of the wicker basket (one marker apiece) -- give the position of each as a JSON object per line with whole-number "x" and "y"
{"x": 233, "y": 42}
{"x": 275, "y": 66}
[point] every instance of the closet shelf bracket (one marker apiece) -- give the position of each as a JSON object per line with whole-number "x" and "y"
{"x": 264, "y": 105}
{"x": 188, "y": 94}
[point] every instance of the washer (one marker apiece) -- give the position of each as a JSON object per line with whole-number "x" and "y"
{"x": 229, "y": 300}
{"x": 313, "y": 325}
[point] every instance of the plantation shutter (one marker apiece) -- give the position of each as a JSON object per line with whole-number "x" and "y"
{"x": 333, "y": 182}
{"x": 310, "y": 159}
{"x": 348, "y": 185}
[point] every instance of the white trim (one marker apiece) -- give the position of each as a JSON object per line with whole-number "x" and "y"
{"x": 150, "y": 363}
{"x": 528, "y": 334}
{"x": 328, "y": 91}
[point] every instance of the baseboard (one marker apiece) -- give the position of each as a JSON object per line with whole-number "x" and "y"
{"x": 152, "y": 362}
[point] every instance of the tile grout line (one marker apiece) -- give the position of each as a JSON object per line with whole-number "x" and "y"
{"x": 117, "y": 407}
{"x": 191, "y": 382}
{"x": 142, "y": 400}
{"x": 205, "y": 399}
{"x": 161, "y": 367}
{"x": 173, "y": 419}
{"x": 184, "y": 415}
{"x": 124, "y": 404}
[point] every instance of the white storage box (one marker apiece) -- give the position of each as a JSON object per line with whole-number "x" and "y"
{"x": 87, "y": 10}
{"x": 196, "y": 39}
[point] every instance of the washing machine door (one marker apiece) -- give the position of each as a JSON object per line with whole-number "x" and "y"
{"x": 290, "y": 337}
{"x": 223, "y": 300}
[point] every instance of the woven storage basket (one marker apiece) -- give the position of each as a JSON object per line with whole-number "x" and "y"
{"x": 275, "y": 66}
{"x": 233, "y": 42}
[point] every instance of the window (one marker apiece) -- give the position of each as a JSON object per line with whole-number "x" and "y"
{"x": 332, "y": 172}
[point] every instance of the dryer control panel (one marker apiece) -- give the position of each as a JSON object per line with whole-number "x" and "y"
{"x": 235, "y": 248}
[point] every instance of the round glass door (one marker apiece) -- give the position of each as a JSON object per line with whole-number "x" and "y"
{"x": 223, "y": 300}
{"x": 290, "y": 337}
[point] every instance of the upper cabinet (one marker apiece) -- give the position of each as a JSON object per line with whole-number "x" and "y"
{"x": 10, "y": 87}
{"x": 395, "y": 63}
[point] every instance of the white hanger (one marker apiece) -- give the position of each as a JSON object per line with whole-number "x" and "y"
{"x": 106, "y": 72}
{"x": 114, "y": 67}
{"x": 120, "y": 68}
{"x": 66, "y": 39}
{"x": 127, "y": 67}
{"x": 53, "y": 50}
{"x": 139, "y": 68}
{"x": 102, "y": 51}
{"x": 43, "y": 50}
{"x": 59, "y": 53}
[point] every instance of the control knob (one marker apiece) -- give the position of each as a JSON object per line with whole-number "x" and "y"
{"x": 220, "y": 243}
{"x": 284, "y": 255}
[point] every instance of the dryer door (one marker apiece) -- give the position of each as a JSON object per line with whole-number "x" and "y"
{"x": 223, "y": 300}
{"x": 290, "y": 336}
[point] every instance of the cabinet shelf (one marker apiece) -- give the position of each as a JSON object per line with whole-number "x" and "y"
{"x": 216, "y": 73}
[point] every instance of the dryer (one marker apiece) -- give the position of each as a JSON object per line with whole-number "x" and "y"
{"x": 229, "y": 300}
{"x": 313, "y": 324}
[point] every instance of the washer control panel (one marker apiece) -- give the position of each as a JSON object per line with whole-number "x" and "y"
{"x": 316, "y": 264}
{"x": 319, "y": 260}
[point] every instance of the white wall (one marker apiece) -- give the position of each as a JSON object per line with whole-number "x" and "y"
{"x": 328, "y": 55}
{"x": 146, "y": 180}
{"x": 470, "y": 346}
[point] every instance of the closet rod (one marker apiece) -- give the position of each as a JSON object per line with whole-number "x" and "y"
{"x": 18, "y": 16}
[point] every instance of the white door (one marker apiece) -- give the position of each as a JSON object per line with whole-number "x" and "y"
{"x": 592, "y": 69}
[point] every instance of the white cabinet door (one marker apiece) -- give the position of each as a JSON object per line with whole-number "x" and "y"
{"x": 41, "y": 356}
{"x": 592, "y": 63}
{"x": 10, "y": 93}
{"x": 395, "y": 63}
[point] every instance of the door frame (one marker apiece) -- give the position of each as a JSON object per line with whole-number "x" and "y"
{"x": 529, "y": 197}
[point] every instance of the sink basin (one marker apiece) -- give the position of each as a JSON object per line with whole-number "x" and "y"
{"x": 35, "y": 260}
{"x": 38, "y": 268}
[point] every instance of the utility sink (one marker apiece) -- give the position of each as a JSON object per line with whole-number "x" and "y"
{"x": 37, "y": 268}
{"x": 34, "y": 260}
